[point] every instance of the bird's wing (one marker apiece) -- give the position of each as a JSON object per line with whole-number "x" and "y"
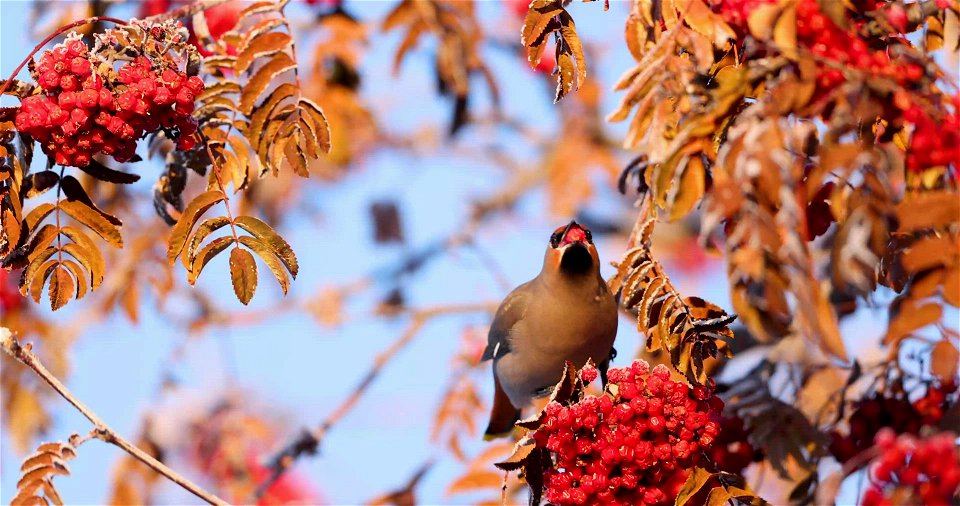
{"x": 508, "y": 314}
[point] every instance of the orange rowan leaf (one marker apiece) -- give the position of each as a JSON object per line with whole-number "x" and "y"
{"x": 243, "y": 274}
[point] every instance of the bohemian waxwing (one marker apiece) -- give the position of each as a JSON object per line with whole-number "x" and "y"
{"x": 565, "y": 313}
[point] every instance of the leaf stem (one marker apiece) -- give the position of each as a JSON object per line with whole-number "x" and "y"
{"x": 226, "y": 198}
{"x": 102, "y": 431}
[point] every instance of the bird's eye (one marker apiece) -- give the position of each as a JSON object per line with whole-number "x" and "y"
{"x": 589, "y": 236}
{"x": 555, "y": 239}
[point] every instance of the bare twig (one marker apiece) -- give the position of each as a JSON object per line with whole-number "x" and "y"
{"x": 101, "y": 431}
{"x": 308, "y": 442}
{"x": 407, "y": 493}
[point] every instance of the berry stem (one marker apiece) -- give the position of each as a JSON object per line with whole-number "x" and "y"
{"x": 59, "y": 31}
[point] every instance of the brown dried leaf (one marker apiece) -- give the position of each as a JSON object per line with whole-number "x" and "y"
{"x": 86, "y": 252}
{"x": 699, "y": 17}
{"x": 80, "y": 276}
{"x": 569, "y": 32}
{"x": 35, "y": 485}
{"x": 688, "y": 190}
{"x": 37, "y": 215}
{"x": 35, "y": 274}
{"x": 38, "y": 183}
{"x": 61, "y": 288}
{"x": 104, "y": 173}
{"x": 473, "y": 480}
{"x": 243, "y": 274}
{"x": 697, "y": 479}
{"x": 928, "y": 210}
{"x": 951, "y": 286}
{"x": 205, "y": 228}
{"x": 565, "y": 77}
{"x": 93, "y": 220}
{"x": 262, "y": 78}
{"x": 930, "y": 251}
{"x": 785, "y": 32}
{"x": 196, "y": 208}
{"x": 909, "y": 318}
{"x": 214, "y": 248}
{"x": 944, "y": 360}
{"x": 535, "y": 23}
{"x": 261, "y": 45}
{"x": 269, "y": 257}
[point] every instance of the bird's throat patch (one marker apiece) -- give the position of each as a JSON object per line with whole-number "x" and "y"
{"x": 576, "y": 259}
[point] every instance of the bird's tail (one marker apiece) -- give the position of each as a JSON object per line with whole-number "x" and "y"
{"x": 503, "y": 415}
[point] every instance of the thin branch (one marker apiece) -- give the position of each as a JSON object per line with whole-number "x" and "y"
{"x": 102, "y": 431}
{"x": 308, "y": 442}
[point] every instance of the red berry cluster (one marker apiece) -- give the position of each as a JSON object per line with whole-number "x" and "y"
{"x": 84, "y": 110}
{"x": 935, "y": 140}
{"x": 10, "y": 298}
{"x": 829, "y": 42}
{"x": 912, "y": 471}
{"x": 935, "y": 402}
{"x": 634, "y": 445}
{"x": 896, "y": 413}
{"x": 732, "y": 452}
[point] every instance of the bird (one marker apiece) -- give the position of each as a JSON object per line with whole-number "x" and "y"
{"x": 566, "y": 313}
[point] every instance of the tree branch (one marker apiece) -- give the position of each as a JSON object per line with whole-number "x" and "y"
{"x": 308, "y": 442}
{"x": 102, "y": 431}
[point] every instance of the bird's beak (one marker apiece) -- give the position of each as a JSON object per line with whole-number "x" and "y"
{"x": 574, "y": 233}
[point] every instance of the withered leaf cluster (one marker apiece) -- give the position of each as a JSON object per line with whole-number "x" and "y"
{"x": 38, "y": 470}
{"x": 690, "y": 329}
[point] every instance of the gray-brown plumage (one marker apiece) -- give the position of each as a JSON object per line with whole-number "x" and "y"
{"x": 565, "y": 313}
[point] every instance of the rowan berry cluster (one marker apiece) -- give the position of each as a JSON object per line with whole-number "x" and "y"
{"x": 914, "y": 471}
{"x": 10, "y": 298}
{"x": 896, "y": 413}
{"x": 634, "y": 445}
{"x": 86, "y": 108}
{"x": 935, "y": 141}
